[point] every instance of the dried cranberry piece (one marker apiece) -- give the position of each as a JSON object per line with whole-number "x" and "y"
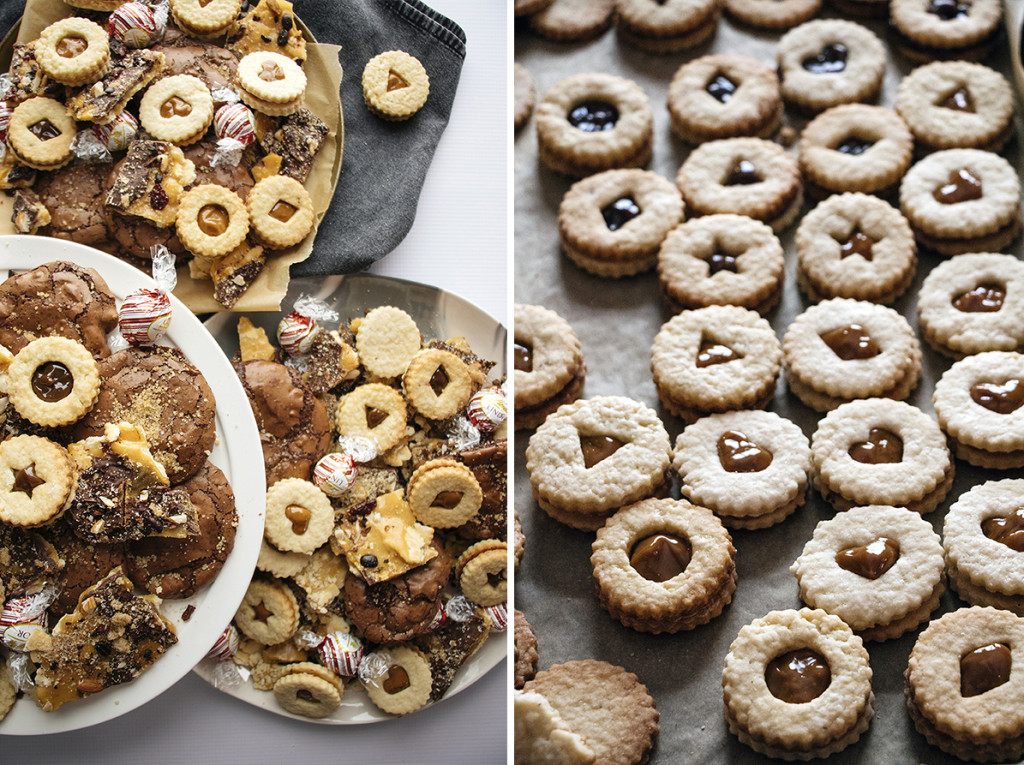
{"x": 158, "y": 198}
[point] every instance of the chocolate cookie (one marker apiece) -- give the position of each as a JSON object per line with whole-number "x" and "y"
{"x": 70, "y": 195}
{"x": 167, "y": 397}
{"x": 212, "y": 64}
{"x": 57, "y": 298}
{"x": 176, "y": 568}
{"x": 294, "y": 426}
{"x": 401, "y": 608}
{"x": 234, "y": 177}
{"x": 84, "y": 564}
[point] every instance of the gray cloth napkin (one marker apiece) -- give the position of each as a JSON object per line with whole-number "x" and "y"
{"x": 384, "y": 162}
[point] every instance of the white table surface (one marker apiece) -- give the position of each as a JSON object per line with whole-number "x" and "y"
{"x": 459, "y": 242}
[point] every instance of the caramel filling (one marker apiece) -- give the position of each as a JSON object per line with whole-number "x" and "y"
{"x": 52, "y": 381}
{"x": 375, "y": 417}
{"x": 439, "y": 381}
{"x": 738, "y": 454}
{"x": 620, "y": 212}
{"x": 175, "y": 107}
{"x": 26, "y": 480}
{"x": 743, "y": 173}
{"x": 871, "y": 560}
{"x": 984, "y": 668}
{"x": 851, "y": 342}
{"x": 660, "y": 557}
{"x": 1008, "y": 530}
{"x": 261, "y": 613}
{"x": 829, "y": 60}
{"x": 858, "y": 243}
{"x": 44, "y": 130}
{"x": 447, "y": 499}
{"x": 882, "y": 447}
{"x": 798, "y": 676}
{"x": 282, "y": 211}
{"x": 712, "y": 353}
{"x": 213, "y": 220}
{"x": 299, "y": 517}
{"x": 1001, "y": 399}
{"x": 721, "y": 88}
{"x": 598, "y": 448}
{"x": 959, "y": 101}
{"x": 270, "y": 72}
{"x": 522, "y": 356}
{"x": 985, "y": 298}
{"x": 396, "y": 680}
{"x": 396, "y": 81}
{"x": 963, "y": 186}
{"x": 71, "y": 46}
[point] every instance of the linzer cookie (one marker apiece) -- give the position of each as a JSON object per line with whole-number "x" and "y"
{"x": 548, "y": 364}
{"x": 841, "y": 349}
{"x": 983, "y": 543}
{"x": 438, "y": 384}
{"x": 540, "y": 733}
{"x": 526, "y": 7}
{"x": 608, "y": 707}
{"x": 962, "y": 200}
{"x": 743, "y": 176}
{"x": 665, "y": 27}
{"x": 481, "y": 572}
{"x": 271, "y": 83}
{"x": 299, "y": 516}
{"x": 878, "y": 568}
{"x": 750, "y": 467}
{"x": 53, "y": 381}
{"x": 593, "y": 456}
{"x": 204, "y": 18}
{"x": 40, "y": 134}
{"x": 722, "y": 259}
{"x": 395, "y": 85}
{"x": 612, "y": 223}
{"x": 826, "y": 62}
{"x": 855, "y": 147}
{"x": 587, "y": 123}
{"x": 664, "y": 565}
{"x": 963, "y": 684}
{"x": 881, "y": 452}
{"x": 37, "y": 481}
{"x": 724, "y": 96}
{"x": 573, "y": 20}
{"x": 957, "y": 104}
{"x": 73, "y": 51}
{"x": 211, "y": 220}
{"x": 404, "y": 685}
{"x": 780, "y": 14}
{"x": 387, "y": 340}
{"x": 855, "y": 246}
{"x": 373, "y": 411}
{"x": 945, "y": 29}
{"x": 973, "y": 303}
{"x": 444, "y": 493}
{"x": 178, "y": 109}
{"x": 797, "y": 684}
{"x": 979, "y": 403}
{"x": 525, "y": 645}
{"x": 280, "y": 212}
{"x": 715, "y": 359}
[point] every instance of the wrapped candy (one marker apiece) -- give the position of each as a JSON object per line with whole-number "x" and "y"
{"x": 359, "y": 448}
{"x": 28, "y": 609}
{"x": 226, "y": 646}
{"x": 342, "y": 653}
{"x": 295, "y": 333}
{"x": 145, "y": 314}
{"x": 118, "y": 133}
{"x": 16, "y": 636}
{"x": 459, "y": 609}
{"x": 88, "y": 148}
{"x": 334, "y": 473}
{"x": 499, "y": 617}
{"x": 6, "y": 110}
{"x": 134, "y": 24}
{"x": 487, "y": 409}
{"x": 373, "y": 667}
{"x": 235, "y": 121}
{"x": 439, "y": 618}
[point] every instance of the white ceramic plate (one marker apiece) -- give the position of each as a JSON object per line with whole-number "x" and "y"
{"x": 232, "y": 453}
{"x": 438, "y": 314}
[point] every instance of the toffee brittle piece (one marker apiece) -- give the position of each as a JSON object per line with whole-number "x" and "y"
{"x": 297, "y": 138}
{"x": 26, "y": 76}
{"x": 127, "y": 74}
{"x": 448, "y": 647}
{"x": 150, "y": 181}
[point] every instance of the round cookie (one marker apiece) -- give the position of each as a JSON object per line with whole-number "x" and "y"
{"x": 387, "y": 339}
{"x": 724, "y": 96}
{"x": 743, "y": 176}
{"x": 957, "y": 105}
{"x": 772, "y": 14}
{"x": 293, "y": 423}
{"x": 665, "y": 26}
{"x": 57, "y": 298}
{"x": 299, "y": 516}
{"x": 395, "y": 85}
{"x": 591, "y": 122}
{"x": 945, "y": 29}
{"x": 826, "y": 62}
{"x": 280, "y": 212}
{"x": 526, "y": 7}
{"x": 525, "y": 643}
{"x": 549, "y": 369}
{"x": 70, "y": 195}
{"x": 52, "y": 381}
{"x": 37, "y": 481}
{"x": 524, "y": 95}
{"x": 406, "y": 683}
{"x": 400, "y": 608}
{"x": 573, "y": 20}
{"x": 73, "y": 51}
{"x": 612, "y": 223}
{"x": 271, "y": 83}
{"x": 177, "y": 568}
{"x": 40, "y": 133}
{"x": 165, "y": 395}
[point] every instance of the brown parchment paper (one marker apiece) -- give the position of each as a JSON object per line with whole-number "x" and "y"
{"x": 617, "y": 321}
{"x": 323, "y": 77}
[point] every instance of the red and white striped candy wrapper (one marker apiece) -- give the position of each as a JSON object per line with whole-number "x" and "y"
{"x": 16, "y": 636}
{"x": 334, "y": 473}
{"x": 134, "y": 24}
{"x": 341, "y": 652}
{"x": 499, "y": 617}
{"x": 439, "y": 618}
{"x": 24, "y": 610}
{"x": 235, "y": 121}
{"x": 487, "y": 409}
{"x": 144, "y": 316}
{"x": 226, "y": 646}
{"x": 6, "y": 110}
{"x": 295, "y": 333}
{"x": 118, "y": 133}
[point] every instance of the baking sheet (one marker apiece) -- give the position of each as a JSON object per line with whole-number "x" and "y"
{"x": 616, "y": 321}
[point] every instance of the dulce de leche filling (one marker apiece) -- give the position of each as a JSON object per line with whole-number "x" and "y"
{"x": 963, "y": 186}
{"x": 26, "y": 480}
{"x": 985, "y": 298}
{"x": 396, "y": 680}
{"x": 1008, "y": 529}
{"x": 44, "y": 130}
{"x": 598, "y": 448}
{"x": 282, "y": 211}
{"x": 871, "y": 560}
{"x": 851, "y": 342}
{"x": 71, "y": 46}
{"x": 618, "y": 213}
{"x": 522, "y": 356}
{"x": 721, "y": 88}
{"x": 661, "y": 557}
{"x": 299, "y": 517}
{"x": 738, "y": 454}
{"x": 271, "y": 72}
{"x": 52, "y": 381}
{"x": 743, "y": 173}
{"x": 175, "y": 107}
{"x": 984, "y": 668}
{"x": 396, "y": 81}
{"x": 999, "y": 398}
{"x": 213, "y": 219}
{"x": 881, "y": 447}
{"x": 857, "y": 243}
{"x": 711, "y": 353}
{"x": 798, "y": 676}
